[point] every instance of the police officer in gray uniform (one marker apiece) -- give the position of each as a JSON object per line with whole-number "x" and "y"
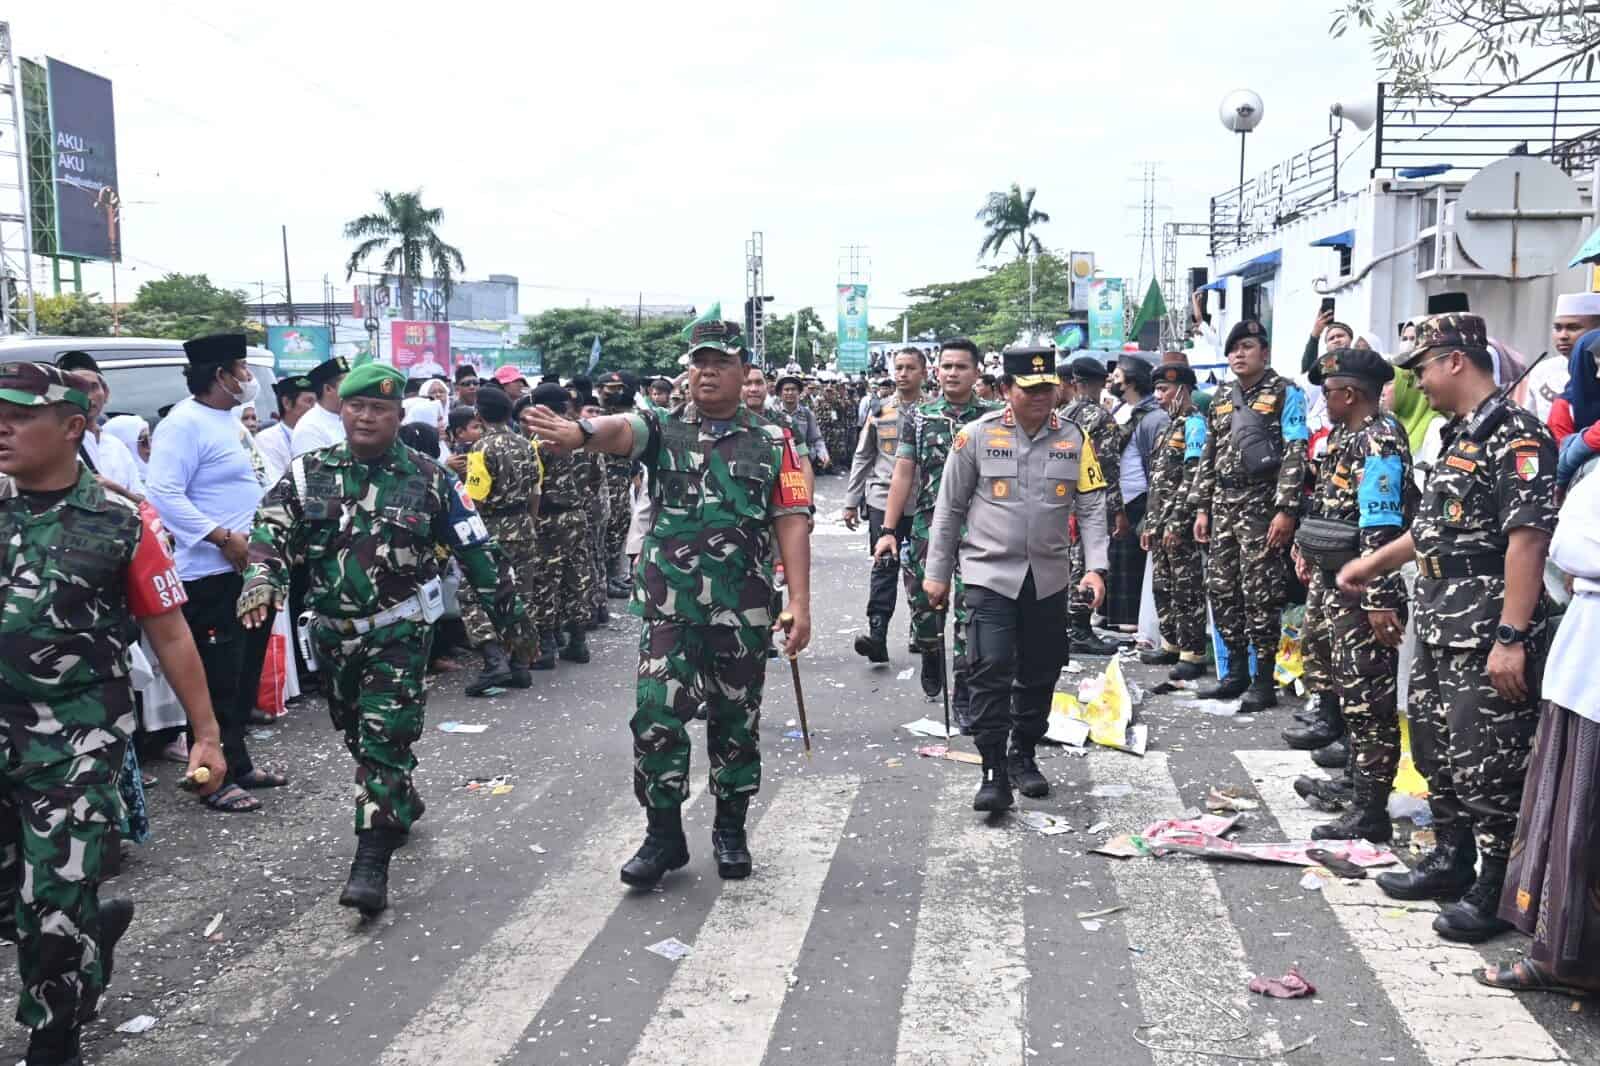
{"x": 1012, "y": 479}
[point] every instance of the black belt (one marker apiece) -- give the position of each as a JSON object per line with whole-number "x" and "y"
{"x": 1441, "y": 567}
{"x": 1245, "y": 483}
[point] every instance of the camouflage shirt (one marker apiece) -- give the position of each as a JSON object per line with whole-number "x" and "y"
{"x": 925, "y": 439}
{"x": 510, "y": 474}
{"x": 1101, "y": 429}
{"x": 779, "y": 417}
{"x": 367, "y": 533}
{"x": 571, "y": 482}
{"x": 1363, "y": 480}
{"x": 74, "y": 573}
{"x": 1171, "y": 469}
{"x": 1496, "y": 473}
{"x": 715, "y": 489}
{"x": 1282, "y": 407}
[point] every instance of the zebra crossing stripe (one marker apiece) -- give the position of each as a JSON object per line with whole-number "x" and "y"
{"x": 1451, "y": 1017}
{"x": 726, "y": 997}
{"x": 963, "y": 998}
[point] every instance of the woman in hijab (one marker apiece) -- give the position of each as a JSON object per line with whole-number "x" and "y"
{"x": 1574, "y": 414}
{"x": 134, "y": 432}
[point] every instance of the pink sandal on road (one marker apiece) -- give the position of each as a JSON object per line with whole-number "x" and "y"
{"x": 177, "y": 751}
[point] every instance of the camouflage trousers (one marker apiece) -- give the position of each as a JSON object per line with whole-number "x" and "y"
{"x": 376, "y": 698}
{"x": 519, "y": 544}
{"x": 54, "y": 831}
{"x": 1470, "y": 743}
{"x": 1364, "y": 673}
{"x": 566, "y": 572}
{"x": 1316, "y": 635}
{"x": 927, "y": 625}
{"x": 1248, "y": 582}
{"x": 682, "y": 666}
{"x": 599, "y": 522}
{"x": 1177, "y": 580}
{"x": 620, "y": 489}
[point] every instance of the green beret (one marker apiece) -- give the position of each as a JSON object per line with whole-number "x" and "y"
{"x": 373, "y": 379}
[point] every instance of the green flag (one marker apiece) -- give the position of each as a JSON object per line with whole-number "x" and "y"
{"x": 1153, "y": 309}
{"x": 710, "y": 314}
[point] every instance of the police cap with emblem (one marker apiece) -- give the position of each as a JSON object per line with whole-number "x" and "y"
{"x": 214, "y": 349}
{"x": 1027, "y": 367}
{"x": 1248, "y": 328}
{"x": 372, "y": 380}
{"x": 327, "y": 373}
{"x": 1089, "y": 368}
{"x": 1360, "y": 363}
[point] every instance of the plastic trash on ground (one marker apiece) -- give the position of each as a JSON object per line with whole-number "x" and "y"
{"x": 1104, "y": 705}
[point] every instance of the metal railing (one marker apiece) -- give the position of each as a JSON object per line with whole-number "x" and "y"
{"x": 1276, "y": 196}
{"x": 1460, "y": 128}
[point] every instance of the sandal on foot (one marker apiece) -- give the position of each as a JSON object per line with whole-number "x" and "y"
{"x": 177, "y": 751}
{"x": 231, "y": 799}
{"x": 1525, "y": 975}
{"x": 259, "y": 778}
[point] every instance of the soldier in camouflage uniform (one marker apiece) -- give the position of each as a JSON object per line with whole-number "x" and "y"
{"x": 1479, "y": 540}
{"x": 723, "y": 485}
{"x": 925, "y": 439}
{"x": 1084, "y": 410}
{"x": 566, "y": 552}
{"x": 1245, "y": 512}
{"x": 617, "y": 392}
{"x": 837, "y": 417}
{"x": 1176, "y": 574}
{"x": 503, "y": 479}
{"x": 77, "y": 562}
{"x": 366, "y": 516}
{"x": 1361, "y": 485}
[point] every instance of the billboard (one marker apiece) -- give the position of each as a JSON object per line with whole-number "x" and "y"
{"x": 1072, "y": 334}
{"x": 420, "y": 349}
{"x": 1081, "y": 266}
{"x": 83, "y": 170}
{"x": 1107, "y": 321}
{"x": 530, "y": 361}
{"x": 852, "y": 356}
{"x": 296, "y": 349}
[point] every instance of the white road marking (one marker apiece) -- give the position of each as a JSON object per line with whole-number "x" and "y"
{"x": 1452, "y": 1018}
{"x": 1177, "y": 914}
{"x": 964, "y": 994}
{"x": 749, "y": 943}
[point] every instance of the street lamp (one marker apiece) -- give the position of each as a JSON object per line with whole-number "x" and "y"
{"x": 1240, "y": 112}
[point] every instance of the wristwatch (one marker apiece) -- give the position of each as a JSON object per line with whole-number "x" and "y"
{"x": 1504, "y": 634}
{"x": 585, "y": 427}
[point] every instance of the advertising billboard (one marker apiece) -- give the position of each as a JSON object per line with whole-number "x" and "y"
{"x": 530, "y": 361}
{"x": 1107, "y": 324}
{"x": 296, "y": 349}
{"x": 420, "y": 349}
{"x": 852, "y": 357}
{"x": 83, "y": 169}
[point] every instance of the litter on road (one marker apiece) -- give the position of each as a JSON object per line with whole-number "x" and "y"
{"x": 927, "y": 727}
{"x": 1230, "y": 799}
{"x": 1290, "y": 986}
{"x": 1040, "y": 822}
{"x": 940, "y": 751}
{"x": 142, "y": 1023}
{"x": 671, "y": 948}
{"x": 461, "y": 727}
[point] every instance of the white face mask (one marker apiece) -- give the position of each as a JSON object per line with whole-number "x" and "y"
{"x": 249, "y": 389}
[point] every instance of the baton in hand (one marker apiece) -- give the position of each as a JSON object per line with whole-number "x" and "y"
{"x": 786, "y": 621}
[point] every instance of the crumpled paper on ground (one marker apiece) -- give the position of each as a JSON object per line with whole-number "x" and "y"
{"x": 1290, "y": 986}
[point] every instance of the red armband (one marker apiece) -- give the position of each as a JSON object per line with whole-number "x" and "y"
{"x": 152, "y": 583}
{"x": 790, "y": 491}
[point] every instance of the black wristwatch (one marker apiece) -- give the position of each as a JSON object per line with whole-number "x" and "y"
{"x": 586, "y": 427}
{"x": 1504, "y": 634}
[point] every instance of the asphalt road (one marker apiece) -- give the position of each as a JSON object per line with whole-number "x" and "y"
{"x": 886, "y": 922}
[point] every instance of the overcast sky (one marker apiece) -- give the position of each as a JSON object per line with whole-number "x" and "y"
{"x": 601, "y": 150}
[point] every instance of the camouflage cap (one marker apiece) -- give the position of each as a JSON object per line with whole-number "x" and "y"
{"x": 722, "y": 336}
{"x": 40, "y": 385}
{"x": 1455, "y": 331}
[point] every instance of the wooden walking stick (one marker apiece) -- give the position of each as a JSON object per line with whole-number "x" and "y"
{"x": 786, "y": 621}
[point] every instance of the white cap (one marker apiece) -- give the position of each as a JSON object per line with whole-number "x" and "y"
{"x": 1578, "y": 304}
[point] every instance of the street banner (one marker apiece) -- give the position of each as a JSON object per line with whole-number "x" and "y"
{"x": 1071, "y": 334}
{"x": 420, "y": 349}
{"x": 487, "y": 360}
{"x": 296, "y": 349}
{"x": 852, "y": 357}
{"x": 1107, "y": 324}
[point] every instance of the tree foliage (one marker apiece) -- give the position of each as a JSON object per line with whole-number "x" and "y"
{"x": 991, "y": 309}
{"x": 815, "y": 339}
{"x": 407, "y": 234}
{"x": 1422, "y": 42}
{"x": 565, "y": 336}
{"x": 1010, "y": 217}
{"x": 73, "y": 314}
{"x": 182, "y": 306}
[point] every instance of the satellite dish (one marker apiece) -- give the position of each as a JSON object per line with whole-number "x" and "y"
{"x": 1241, "y": 110}
{"x": 1492, "y": 223}
{"x": 1359, "y": 113}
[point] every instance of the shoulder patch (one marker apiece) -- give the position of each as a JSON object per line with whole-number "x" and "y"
{"x": 960, "y": 441}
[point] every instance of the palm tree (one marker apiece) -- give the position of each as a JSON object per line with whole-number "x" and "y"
{"x": 409, "y": 232}
{"x": 1009, "y": 216}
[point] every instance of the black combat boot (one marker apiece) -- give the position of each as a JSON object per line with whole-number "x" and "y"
{"x": 1367, "y": 818}
{"x": 521, "y": 670}
{"x": 728, "y": 841}
{"x": 1234, "y": 684}
{"x": 367, "y": 890}
{"x": 496, "y": 672}
{"x": 547, "y": 650}
{"x": 1085, "y": 642}
{"x": 664, "y": 848}
{"x": 1334, "y": 755}
{"x": 619, "y": 580}
{"x": 1326, "y": 726}
{"x": 53, "y": 1047}
{"x": 1023, "y": 770}
{"x": 1186, "y": 671}
{"x": 1475, "y": 918}
{"x": 994, "y": 794}
{"x": 1443, "y": 874}
{"x": 874, "y": 643}
{"x": 1263, "y": 691}
{"x": 115, "y": 917}
{"x": 1159, "y": 657}
{"x": 932, "y": 674}
{"x": 577, "y": 649}
{"x": 1323, "y": 794}
{"x": 602, "y": 616}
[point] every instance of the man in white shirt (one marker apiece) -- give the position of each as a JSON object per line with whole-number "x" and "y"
{"x": 321, "y": 426}
{"x": 107, "y": 456}
{"x": 1576, "y": 314}
{"x": 203, "y": 482}
{"x": 276, "y": 443}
